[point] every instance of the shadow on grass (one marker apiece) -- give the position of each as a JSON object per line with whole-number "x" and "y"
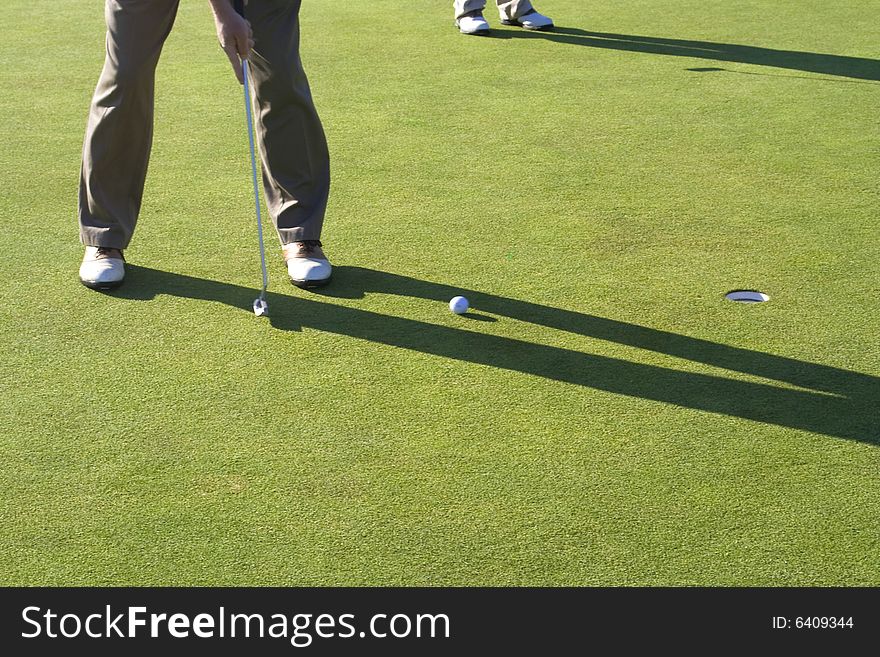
{"x": 833, "y": 402}
{"x": 851, "y": 67}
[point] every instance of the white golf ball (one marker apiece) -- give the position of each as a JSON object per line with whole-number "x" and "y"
{"x": 459, "y": 305}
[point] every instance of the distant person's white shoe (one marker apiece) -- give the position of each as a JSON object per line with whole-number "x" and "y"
{"x": 473, "y": 23}
{"x": 307, "y": 265}
{"x": 531, "y": 21}
{"x": 102, "y": 268}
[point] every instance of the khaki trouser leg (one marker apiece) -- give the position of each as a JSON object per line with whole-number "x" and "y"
{"x": 120, "y": 126}
{"x": 510, "y": 9}
{"x": 296, "y": 164}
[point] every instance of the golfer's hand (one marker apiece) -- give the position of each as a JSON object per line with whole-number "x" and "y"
{"x": 235, "y": 35}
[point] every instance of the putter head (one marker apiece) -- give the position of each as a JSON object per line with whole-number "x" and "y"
{"x": 260, "y": 307}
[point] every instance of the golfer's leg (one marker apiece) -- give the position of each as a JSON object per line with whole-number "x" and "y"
{"x": 296, "y": 164}
{"x": 120, "y": 127}
{"x": 512, "y": 9}
{"x": 463, "y": 7}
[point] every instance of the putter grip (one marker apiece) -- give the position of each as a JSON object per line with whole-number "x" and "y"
{"x": 239, "y": 6}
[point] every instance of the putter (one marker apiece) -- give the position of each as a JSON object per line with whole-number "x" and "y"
{"x": 261, "y": 306}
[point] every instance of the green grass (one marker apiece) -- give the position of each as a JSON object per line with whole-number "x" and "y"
{"x": 617, "y": 422}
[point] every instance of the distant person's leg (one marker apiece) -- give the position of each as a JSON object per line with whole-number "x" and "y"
{"x": 523, "y": 14}
{"x": 513, "y": 9}
{"x": 469, "y": 16}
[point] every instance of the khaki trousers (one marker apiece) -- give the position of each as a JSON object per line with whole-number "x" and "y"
{"x": 510, "y": 9}
{"x": 295, "y": 162}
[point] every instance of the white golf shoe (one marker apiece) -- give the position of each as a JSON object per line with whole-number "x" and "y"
{"x": 531, "y": 21}
{"x": 473, "y": 23}
{"x": 307, "y": 265}
{"x": 102, "y": 268}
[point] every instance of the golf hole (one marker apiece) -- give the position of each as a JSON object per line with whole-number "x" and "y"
{"x": 747, "y": 296}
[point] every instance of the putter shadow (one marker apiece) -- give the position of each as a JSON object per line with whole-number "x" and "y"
{"x": 837, "y": 65}
{"x": 834, "y": 402}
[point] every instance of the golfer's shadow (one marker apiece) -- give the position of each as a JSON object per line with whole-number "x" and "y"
{"x": 830, "y": 401}
{"x": 860, "y": 68}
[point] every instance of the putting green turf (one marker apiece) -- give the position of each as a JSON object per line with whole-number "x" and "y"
{"x": 610, "y": 421}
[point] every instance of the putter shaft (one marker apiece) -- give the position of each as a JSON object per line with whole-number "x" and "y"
{"x": 250, "y": 123}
